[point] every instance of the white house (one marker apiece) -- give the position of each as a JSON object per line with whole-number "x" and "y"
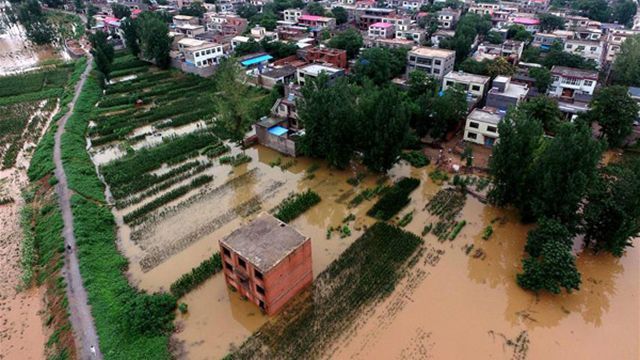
{"x": 573, "y": 88}
{"x": 590, "y": 50}
{"x": 292, "y": 15}
{"x": 471, "y": 84}
{"x": 482, "y": 126}
{"x": 200, "y": 53}
{"x": 381, "y": 30}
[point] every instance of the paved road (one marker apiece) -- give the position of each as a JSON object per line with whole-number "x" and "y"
{"x": 81, "y": 320}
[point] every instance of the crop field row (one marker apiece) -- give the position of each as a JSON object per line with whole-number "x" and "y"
{"x": 378, "y": 260}
{"x": 26, "y": 102}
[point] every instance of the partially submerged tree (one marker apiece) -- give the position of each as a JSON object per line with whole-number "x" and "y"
{"x": 548, "y": 230}
{"x": 553, "y": 270}
{"x": 614, "y": 110}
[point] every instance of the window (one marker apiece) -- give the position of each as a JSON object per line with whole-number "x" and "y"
{"x": 450, "y": 83}
{"x": 471, "y": 135}
{"x": 593, "y": 48}
{"x": 436, "y": 71}
{"x": 259, "y": 289}
{"x": 226, "y": 252}
{"x": 257, "y": 274}
{"x": 474, "y": 125}
{"x": 569, "y": 46}
{"x": 242, "y": 263}
{"x": 475, "y": 87}
{"x": 492, "y": 129}
{"x": 412, "y": 58}
{"x": 588, "y": 83}
{"x": 228, "y": 266}
{"x": 437, "y": 62}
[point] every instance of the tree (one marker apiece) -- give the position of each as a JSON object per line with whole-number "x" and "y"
{"x": 91, "y": 11}
{"x": 545, "y": 110}
{"x": 327, "y": 110}
{"x": 37, "y": 27}
{"x": 594, "y": 9}
{"x": 78, "y": 5}
{"x": 553, "y": 270}
{"x": 194, "y": 9}
{"x": 623, "y": 11}
{"x": 563, "y": 172}
{"x": 130, "y": 30}
{"x": 500, "y": 66}
{"x": 155, "y": 42}
{"x": 233, "y": 101}
{"x": 53, "y": 3}
{"x": 542, "y": 77}
{"x": 472, "y": 66}
{"x": 340, "y": 14}
{"x": 469, "y": 26}
{"x": 625, "y": 67}
{"x": 550, "y": 22}
{"x": 429, "y": 23}
{"x": 556, "y": 56}
{"x": 467, "y": 155}
{"x": 548, "y": 230}
{"x": 315, "y": 8}
{"x": 380, "y": 64}
{"x": 512, "y": 159}
{"x": 531, "y": 54}
{"x": 278, "y": 49}
{"x": 150, "y": 314}
{"x": 518, "y": 33}
{"x": 494, "y": 37}
{"x": 385, "y": 116}
{"x": 615, "y": 111}
{"x": 102, "y": 51}
{"x": 612, "y": 213}
{"x": 349, "y": 40}
{"x": 420, "y": 84}
{"x": 446, "y": 111}
{"x": 248, "y": 47}
{"x": 120, "y": 11}
{"x": 247, "y": 11}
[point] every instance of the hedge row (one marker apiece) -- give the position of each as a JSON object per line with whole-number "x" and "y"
{"x": 197, "y": 276}
{"x": 394, "y": 199}
{"x": 291, "y": 207}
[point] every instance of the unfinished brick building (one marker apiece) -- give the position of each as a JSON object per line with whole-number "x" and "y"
{"x": 267, "y": 261}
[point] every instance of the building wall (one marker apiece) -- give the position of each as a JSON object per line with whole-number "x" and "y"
{"x": 583, "y": 86}
{"x": 278, "y": 143}
{"x": 500, "y": 101}
{"x": 483, "y": 132}
{"x": 435, "y": 66}
{"x": 280, "y": 284}
{"x": 475, "y": 88}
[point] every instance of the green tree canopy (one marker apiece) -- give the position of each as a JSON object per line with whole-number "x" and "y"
{"x": 626, "y": 70}
{"x": 614, "y": 109}
{"x": 548, "y": 230}
{"x": 494, "y": 37}
{"x": 154, "y": 38}
{"x": 349, "y": 40}
{"x": 194, "y": 9}
{"x": 553, "y": 270}
{"x": 315, "y": 8}
{"x": 545, "y": 110}
{"x": 120, "y": 11}
{"x": 542, "y": 77}
{"x": 380, "y": 64}
{"x": 550, "y": 22}
{"x": 340, "y": 14}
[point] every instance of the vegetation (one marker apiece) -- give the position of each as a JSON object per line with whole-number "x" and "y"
{"x": 236, "y": 160}
{"x": 614, "y": 110}
{"x": 394, "y": 199}
{"x": 554, "y": 269}
{"x": 415, "y": 158}
{"x": 197, "y": 276}
{"x": 293, "y": 206}
{"x": 446, "y": 205}
{"x": 468, "y": 27}
{"x": 625, "y": 66}
{"x": 323, "y": 313}
{"x": 349, "y": 40}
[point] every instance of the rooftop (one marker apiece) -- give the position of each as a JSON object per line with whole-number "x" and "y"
{"x": 634, "y": 92}
{"x": 574, "y": 72}
{"x": 189, "y": 26}
{"x": 432, "y": 52}
{"x": 485, "y": 116}
{"x": 382, "y": 25}
{"x": 276, "y": 73}
{"x": 264, "y": 242}
{"x": 466, "y": 77}
{"x": 182, "y": 17}
{"x": 316, "y": 69}
{"x": 189, "y": 42}
{"x": 526, "y": 21}
{"x": 313, "y": 18}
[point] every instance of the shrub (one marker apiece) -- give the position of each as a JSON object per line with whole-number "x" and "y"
{"x": 415, "y": 158}
{"x": 291, "y": 207}
{"x": 394, "y": 199}
{"x": 488, "y": 231}
{"x": 457, "y": 229}
{"x": 197, "y": 276}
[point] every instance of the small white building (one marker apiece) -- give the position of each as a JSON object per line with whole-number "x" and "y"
{"x": 568, "y": 82}
{"x": 314, "y": 70}
{"x": 587, "y": 49}
{"x": 381, "y": 30}
{"x": 292, "y": 15}
{"x": 200, "y": 53}
{"x": 473, "y": 85}
{"x": 435, "y": 62}
{"x": 482, "y": 126}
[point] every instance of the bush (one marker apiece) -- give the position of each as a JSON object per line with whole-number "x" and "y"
{"x": 457, "y": 229}
{"x": 394, "y": 199}
{"x": 151, "y": 314}
{"x": 197, "y": 276}
{"x": 415, "y": 158}
{"x": 291, "y": 207}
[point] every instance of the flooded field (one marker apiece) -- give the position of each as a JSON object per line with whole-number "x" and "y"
{"x": 17, "y": 55}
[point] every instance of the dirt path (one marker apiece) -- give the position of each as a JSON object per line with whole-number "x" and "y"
{"x": 80, "y": 311}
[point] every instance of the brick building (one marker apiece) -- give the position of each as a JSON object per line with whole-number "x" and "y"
{"x": 335, "y": 57}
{"x": 267, "y": 261}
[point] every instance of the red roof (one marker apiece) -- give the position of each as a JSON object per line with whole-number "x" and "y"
{"x": 526, "y": 21}
{"x": 313, "y": 18}
{"x": 382, "y": 25}
{"x": 136, "y": 11}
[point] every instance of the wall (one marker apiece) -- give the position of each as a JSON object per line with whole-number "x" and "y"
{"x": 291, "y": 275}
{"x": 278, "y": 143}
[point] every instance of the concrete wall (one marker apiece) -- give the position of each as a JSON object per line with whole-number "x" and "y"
{"x": 203, "y": 71}
{"x": 278, "y": 143}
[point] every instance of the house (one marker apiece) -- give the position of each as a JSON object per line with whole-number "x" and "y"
{"x": 504, "y": 94}
{"x": 317, "y": 22}
{"x": 615, "y": 38}
{"x": 573, "y": 21}
{"x": 367, "y": 16}
{"x": 396, "y": 43}
{"x": 530, "y": 24}
{"x": 473, "y": 85}
{"x": 281, "y": 75}
{"x": 200, "y": 53}
{"x": 412, "y": 33}
{"x": 435, "y": 62}
{"x": 482, "y": 126}
{"x": 267, "y": 261}
{"x": 381, "y": 30}
{"x": 511, "y": 50}
{"x": 255, "y": 62}
{"x": 440, "y": 35}
{"x": 190, "y": 30}
{"x": 323, "y": 55}
{"x": 484, "y": 8}
{"x": 544, "y": 41}
{"x": 292, "y": 15}
{"x": 447, "y": 18}
{"x": 314, "y": 70}
{"x": 573, "y": 88}
{"x": 180, "y": 20}
{"x": 225, "y": 24}
{"x": 587, "y": 49}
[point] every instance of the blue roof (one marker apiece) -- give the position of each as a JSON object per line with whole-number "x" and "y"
{"x": 278, "y": 130}
{"x": 256, "y": 60}
{"x": 634, "y": 91}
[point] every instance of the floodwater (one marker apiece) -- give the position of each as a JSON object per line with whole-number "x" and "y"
{"x": 468, "y": 307}
{"x": 453, "y": 304}
{"x": 17, "y": 55}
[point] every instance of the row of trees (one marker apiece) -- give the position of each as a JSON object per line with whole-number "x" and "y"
{"x": 620, "y": 11}
{"x": 38, "y": 28}
{"x": 102, "y": 52}
{"x": 277, "y": 49}
{"x": 557, "y": 183}
{"x": 148, "y": 36}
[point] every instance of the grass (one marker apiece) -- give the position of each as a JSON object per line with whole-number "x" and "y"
{"x": 197, "y": 276}
{"x": 393, "y": 200}
{"x": 293, "y": 206}
{"x": 363, "y": 274}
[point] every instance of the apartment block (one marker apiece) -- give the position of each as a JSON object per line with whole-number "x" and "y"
{"x": 435, "y": 62}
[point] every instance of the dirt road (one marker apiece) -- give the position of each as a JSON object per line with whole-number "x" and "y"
{"x": 81, "y": 319}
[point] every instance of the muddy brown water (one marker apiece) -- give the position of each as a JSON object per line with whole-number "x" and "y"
{"x": 17, "y": 55}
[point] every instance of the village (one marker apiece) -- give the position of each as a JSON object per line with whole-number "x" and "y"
{"x": 349, "y": 179}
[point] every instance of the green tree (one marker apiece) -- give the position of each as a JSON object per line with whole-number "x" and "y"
{"x": 420, "y": 84}
{"x": 37, "y": 27}
{"x": 102, "y": 51}
{"x": 545, "y": 110}
{"x": 548, "y": 230}
{"x": 542, "y": 77}
{"x": 469, "y": 26}
{"x": 155, "y": 42}
{"x": 564, "y": 171}
{"x": 91, "y": 11}
{"x": 446, "y": 111}
{"x": 78, "y": 5}
{"x": 550, "y": 22}
{"x": 349, "y": 40}
{"x": 612, "y": 213}
{"x": 380, "y": 64}
{"x": 150, "y": 314}
{"x": 120, "y": 11}
{"x": 315, "y": 8}
{"x": 494, "y": 37}
{"x": 340, "y": 14}
{"x": 328, "y": 112}
{"x": 278, "y": 49}
{"x": 247, "y": 11}
{"x": 531, "y": 54}
{"x": 385, "y": 116}
{"x": 194, "y": 9}
{"x": 625, "y": 67}
{"x": 519, "y": 33}
{"x": 556, "y": 56}
{"x": 248, "y": 47}
{"x": 234, "y": 101}
{"x": 594, "y": 9}
{"x": 512, "y": 159}
{"x": 553, "y": 270}
{"x": 500, "y": 66}
{"x": 472, "y": 66}
{"x": 623, "y": 11}
{"x": 615, "y": 111}
{"x": 429, "y": 23}
{"x": 130, "y": 30}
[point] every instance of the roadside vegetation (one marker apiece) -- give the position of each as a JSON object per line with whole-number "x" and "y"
{"x": 321, "y": 314}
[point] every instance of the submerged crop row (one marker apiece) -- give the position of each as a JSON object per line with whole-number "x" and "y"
{"x": 377, "y": 260}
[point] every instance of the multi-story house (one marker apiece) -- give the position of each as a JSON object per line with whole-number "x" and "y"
{"x": 381, "y": 30}
{"x": 473, "y": 85}
{"x": 587, "y": 49}
{"x": 292, "y": 15}
{"x": 510, "y": 50}
{"x": 323, "y": 55}
{"x": 200, "y": 53}
{"x": 482, "y": 126}
{"x": 573, "y": 88}
{"x": 440, "y": 35}
{"x": 448, "y": 18}
{"x": 484, "y": 8}
{"x": 505, "y": 94}
{"x": 413, "y": 33}
{"x": 530, "y": 24}
{"x": 615, "y": 38}
{"x": 314, "y": 70}
{"x": 435, "y": 62}
{"x": 574, "y": 21}
{"x": 318, "y": 22}
{"x": 367, "y": 16}
{"x": 544, "y": 41}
